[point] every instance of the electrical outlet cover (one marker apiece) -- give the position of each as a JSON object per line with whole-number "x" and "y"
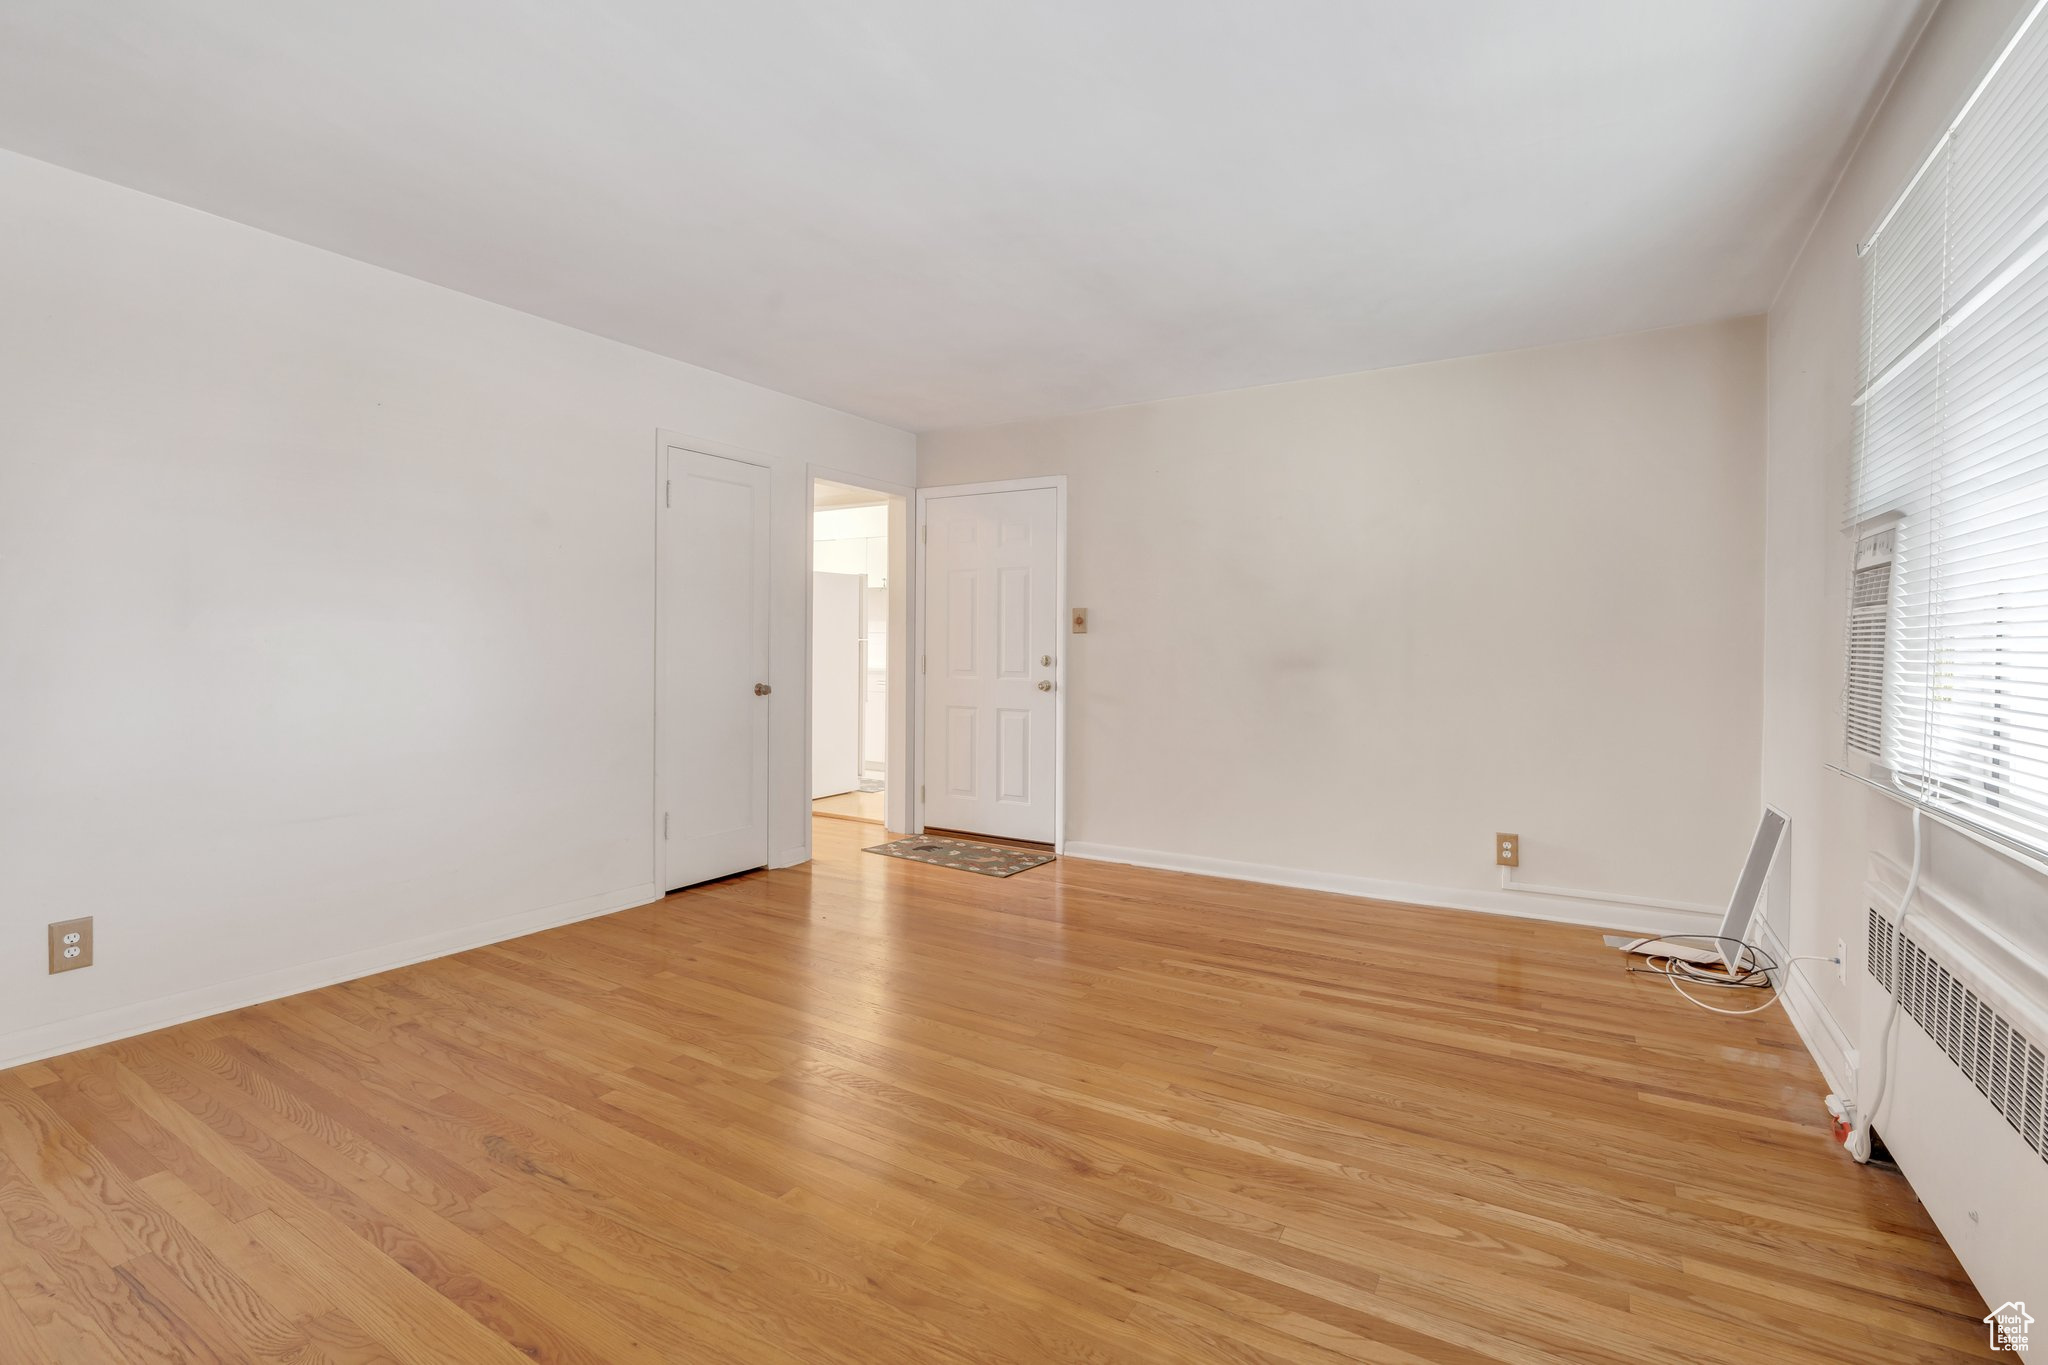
{"x": 70, "y": 944}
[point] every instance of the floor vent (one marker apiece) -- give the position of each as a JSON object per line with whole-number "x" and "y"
{"x": 2008, "y": 1069}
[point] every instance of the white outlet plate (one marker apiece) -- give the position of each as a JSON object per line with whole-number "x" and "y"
{"x": 1841, "y": 962}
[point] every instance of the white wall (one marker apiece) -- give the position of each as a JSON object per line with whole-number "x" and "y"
{"x": 1814, "y": 331}
{"x": 327, "y": 603}
{"x": 835, "y": 524}
{"x": 1352, "y": 627}
{"x": 1838, "y": 827}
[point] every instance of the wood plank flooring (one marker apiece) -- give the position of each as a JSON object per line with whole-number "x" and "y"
{"x": 875, "y": 1111}
{"x": 869, "y": 806}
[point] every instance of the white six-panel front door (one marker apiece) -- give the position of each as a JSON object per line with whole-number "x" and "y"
{"x": 991, "y": 623}
{"x": 714, "y": 638}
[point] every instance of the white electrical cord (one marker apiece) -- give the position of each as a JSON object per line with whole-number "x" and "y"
{"x": 1672, "y": 977}
{"x": 1858, "y": 1141}
{"x": 1752, "y": 978}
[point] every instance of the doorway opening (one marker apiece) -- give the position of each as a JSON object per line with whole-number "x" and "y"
{"x": 859, "y": 578}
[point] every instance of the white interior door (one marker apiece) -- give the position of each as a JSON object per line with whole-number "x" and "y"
{"x": 991, "y": 622}
{"x": 836, "y": 683}
{"x": 714, "y": 674}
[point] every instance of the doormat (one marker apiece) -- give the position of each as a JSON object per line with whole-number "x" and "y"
{"x": 990, "y": 860}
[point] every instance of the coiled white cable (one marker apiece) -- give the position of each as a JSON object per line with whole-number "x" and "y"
{"x": 1755, "y": 967}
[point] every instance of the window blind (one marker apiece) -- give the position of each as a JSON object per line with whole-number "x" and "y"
{"x": 1950, "y": 466}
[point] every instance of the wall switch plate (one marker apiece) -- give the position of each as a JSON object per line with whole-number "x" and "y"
{"x": 1507, "y": 850}
{"x": 70, "y": 944}
{"x": 1080, "y": 620}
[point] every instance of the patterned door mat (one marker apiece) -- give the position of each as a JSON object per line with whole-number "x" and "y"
{"x": 990, "y": 860}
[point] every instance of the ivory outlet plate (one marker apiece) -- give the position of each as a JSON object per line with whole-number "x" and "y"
{"x": 70, "y": 944}
{"x": 1507, "y": 850}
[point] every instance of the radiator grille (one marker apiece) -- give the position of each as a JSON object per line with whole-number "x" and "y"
{"x": 2008, "y": 1069}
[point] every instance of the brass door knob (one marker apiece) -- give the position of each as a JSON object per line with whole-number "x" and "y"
{"x": 1045, "y": 684}
{"x": 762, "y": 689}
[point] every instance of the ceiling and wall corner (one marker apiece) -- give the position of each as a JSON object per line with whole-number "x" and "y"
{"x": 939, "y": 215}
{"x": 330, "y": 601}
{"x": 934, "y": 217}
{"x": 1343, "y": 630}
{"x": 1813, "y": 362}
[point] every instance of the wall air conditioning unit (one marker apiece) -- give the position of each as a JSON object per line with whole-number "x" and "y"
{"x": 1979, "y": 1037}
{"x": 1870, "y": 615}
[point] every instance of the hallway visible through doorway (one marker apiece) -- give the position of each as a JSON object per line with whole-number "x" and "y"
{"x": 855, "y": 602}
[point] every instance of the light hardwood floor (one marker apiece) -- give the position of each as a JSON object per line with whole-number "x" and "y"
{"x": 872, "y": 1110}
{"x": 867, "y": 806}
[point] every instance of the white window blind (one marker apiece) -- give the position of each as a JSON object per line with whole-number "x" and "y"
{"x": 1951, "y": 456}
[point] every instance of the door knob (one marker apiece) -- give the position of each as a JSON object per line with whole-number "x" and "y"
{"x": 1045, "y": 684}
{"x": 1045, "y": 659}
{"x": 762, "y": 689}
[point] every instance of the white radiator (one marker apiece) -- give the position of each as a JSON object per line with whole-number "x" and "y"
{"x": 1996, "y": 1055}
{"x": 1966, "y": 1114}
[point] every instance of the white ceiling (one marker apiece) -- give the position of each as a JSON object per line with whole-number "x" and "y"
{"x": 951, "y": 212}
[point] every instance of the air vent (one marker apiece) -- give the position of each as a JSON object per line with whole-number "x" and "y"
{"x": 1877, "y": 949}
{"x": 2008, "y": 1069}
{"x": 1870, "y": 602}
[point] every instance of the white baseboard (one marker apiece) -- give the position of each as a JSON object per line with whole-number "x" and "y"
{"x": 125, "y": 1021}
{"x": 1816, "y": 1024}
{"x": 1560, "y": 909}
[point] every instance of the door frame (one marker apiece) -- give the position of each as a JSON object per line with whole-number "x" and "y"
{"x": 664, "y": 441}
{"x": 1061, "y": 631}
{"x": 898, "y": 789}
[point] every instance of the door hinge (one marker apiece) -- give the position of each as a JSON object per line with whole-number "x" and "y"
{"x": 666, "y": 486}
{"x": 924, "y": 535}
{"x": 920, "y": 791}
{"x": 920, "y": 663}
{"x": 664, "y": 824}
